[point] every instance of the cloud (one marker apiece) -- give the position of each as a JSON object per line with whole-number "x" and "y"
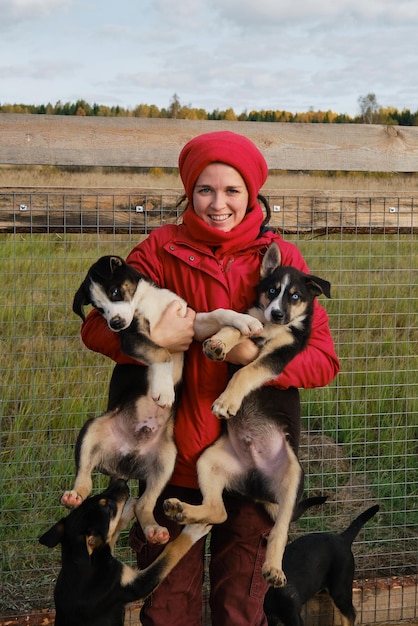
{"x": 44, "y": 70}
{"x": 30, "y": 8}
{"x": 18, "y": 12}
{"x": 249, "y": 13}
{"x": 269, "y": 54}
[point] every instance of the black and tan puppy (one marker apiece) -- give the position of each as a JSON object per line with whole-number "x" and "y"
{"x": 313, "y": 563}
{"x": 93, "y": 587}
{"x": 134, "y": 438}
{"x": 285, "y": 307}
{"x": 136, "y": 432}
{"x": 257, "y": 455}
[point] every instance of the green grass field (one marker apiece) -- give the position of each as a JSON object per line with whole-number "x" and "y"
{"x": 368, "y": 415}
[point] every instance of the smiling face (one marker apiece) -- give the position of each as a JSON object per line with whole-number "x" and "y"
{"x": 220, "y": 197}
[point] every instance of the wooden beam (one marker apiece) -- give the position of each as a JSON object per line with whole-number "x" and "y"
{"x": 139, "y": 142}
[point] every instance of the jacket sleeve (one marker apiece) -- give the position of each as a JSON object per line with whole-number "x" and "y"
{"x": 97, "y": 336}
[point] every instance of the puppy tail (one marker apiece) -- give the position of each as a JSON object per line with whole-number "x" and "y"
{"x": 304, "y": 505}
{"x": 350, "y": 533}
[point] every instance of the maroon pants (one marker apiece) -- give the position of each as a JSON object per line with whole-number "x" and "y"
{"x": 237, "y": 552}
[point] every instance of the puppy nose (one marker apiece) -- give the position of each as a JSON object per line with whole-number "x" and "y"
{"x": 116, "y": 323}
{"x": 277, "y": 316}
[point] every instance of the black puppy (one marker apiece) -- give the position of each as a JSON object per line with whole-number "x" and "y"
{"x": 93, "y": 586}
{"x": 313, "y": 563}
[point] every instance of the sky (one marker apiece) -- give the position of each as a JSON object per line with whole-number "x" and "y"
{"x": 248, "y": 55}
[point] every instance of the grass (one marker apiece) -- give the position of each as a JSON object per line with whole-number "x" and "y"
{"x": 160, "y": 178}
{"x": 51, "y": 385}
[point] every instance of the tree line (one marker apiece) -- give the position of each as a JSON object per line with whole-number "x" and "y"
{"x": 370, "y": 112}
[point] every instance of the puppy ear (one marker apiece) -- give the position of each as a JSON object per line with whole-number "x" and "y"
{"x": 116, "y": 262}
{"x": 53, "y": 536}
{"x": 93, "y": 542}
{"x": 82, "y": 298}
{"x": 272, "y": 259}
{"x": 106, "y": 266}
{"x": 318, "y": 286}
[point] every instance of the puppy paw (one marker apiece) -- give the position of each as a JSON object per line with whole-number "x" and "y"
{"x": 274, "y": 576}
{"x": 174, "y": 510}
{"x": 225, "y": 407}
{"x": 156, "y": 534}
{"x": 214, "y": 349}
{"x": 71, "y": 499}
{"x": 248, "y": 325}
{"x": 163, "y": 396}
{"x": 163, "y": 402}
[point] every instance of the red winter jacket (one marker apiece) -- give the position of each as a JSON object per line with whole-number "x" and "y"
{"x": 209, "y": 280}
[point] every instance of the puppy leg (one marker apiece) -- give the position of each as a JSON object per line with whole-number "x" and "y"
{"x": 89, "y": 446}
{"x": 162, "y": 383}
{"x": 264, "y": 368}
{"x": 207, "y": 324}
{"x": 216, "y": 467}
{"x": 244, "y": 381}
{"x": 156, "y": 480}
{"x": 340, "y": 590}
{"x": 138, "y": 585}
{"x": 217, "y": 347}
{"x": 128, "y": 514}
{"x": 287, "y": 482}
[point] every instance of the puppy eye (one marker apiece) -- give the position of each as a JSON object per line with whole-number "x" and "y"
{"x": 272, "y": 291}
{"x": 115, "y": 294}
{"x": 295, "y": 297}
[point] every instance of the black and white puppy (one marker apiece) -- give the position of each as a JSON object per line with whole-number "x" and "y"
{"x": 313, "y": 563}
{"x": 257, "y": 455}
{"x": 136, "y": 432}
{"x": 132, "y": 304}
{"x": 93, "y": 587}
{"x": 134, "y": 437}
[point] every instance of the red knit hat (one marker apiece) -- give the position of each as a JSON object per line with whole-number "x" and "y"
{"x": 223, "y": 147}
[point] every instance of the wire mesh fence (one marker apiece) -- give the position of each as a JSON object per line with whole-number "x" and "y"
{"x": 359, "y": 445}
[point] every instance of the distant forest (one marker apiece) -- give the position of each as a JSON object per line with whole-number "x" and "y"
{"x": 370, "y": 112}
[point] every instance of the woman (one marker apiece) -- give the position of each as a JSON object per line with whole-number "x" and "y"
{"x": 212, "y": 259}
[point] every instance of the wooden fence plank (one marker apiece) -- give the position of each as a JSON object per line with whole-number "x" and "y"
{"x": 112, "y": 141}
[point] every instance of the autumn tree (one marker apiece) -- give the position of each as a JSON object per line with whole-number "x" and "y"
{"x": 369, "y": 109}
{"x": 175, "y": 107}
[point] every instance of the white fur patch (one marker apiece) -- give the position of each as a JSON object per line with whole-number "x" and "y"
{"x": 277, "y": 303}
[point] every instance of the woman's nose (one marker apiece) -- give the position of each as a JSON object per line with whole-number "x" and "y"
{"x": 218, "y": 200}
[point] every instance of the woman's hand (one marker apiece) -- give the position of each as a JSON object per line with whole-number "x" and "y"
{"x": 173, "y": 331}
{"x": 243, "y": 353}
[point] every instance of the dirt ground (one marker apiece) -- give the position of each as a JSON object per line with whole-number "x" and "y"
{"x": 47, "y": 619}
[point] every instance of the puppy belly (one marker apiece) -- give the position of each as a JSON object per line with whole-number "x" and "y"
{"x": 133, "y": 441}
{"x": 140, "y": 427}
{"x": 259, "y": 446}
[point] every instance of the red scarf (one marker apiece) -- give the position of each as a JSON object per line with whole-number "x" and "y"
{"x": 236, "y": 239}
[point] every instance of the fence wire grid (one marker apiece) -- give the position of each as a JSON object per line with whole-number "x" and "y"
{"x": 360, "y": 433}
